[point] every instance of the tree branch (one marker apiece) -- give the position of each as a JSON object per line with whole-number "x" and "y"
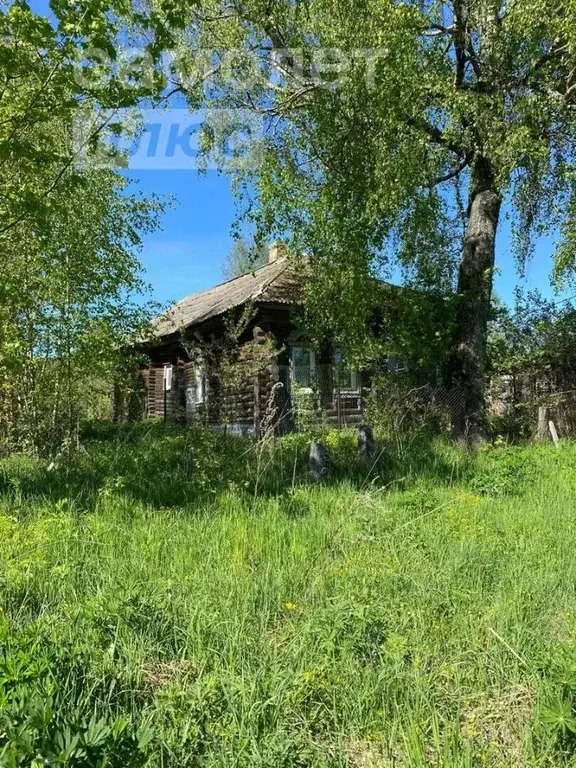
{"x": 436, "y": 135}
{"x": 436, "y": 30}
{"x": 456, "y": 171}
{"x": 555, "y": 52}
{"x": 60, "y": 174}
{"x": 460, "y": 34}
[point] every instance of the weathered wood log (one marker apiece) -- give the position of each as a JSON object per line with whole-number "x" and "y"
{"x": 365, "y": 442}
{"x": 542, "y": 423}
{"x": 554, "y": 434}
{"x": 317, "y": 464}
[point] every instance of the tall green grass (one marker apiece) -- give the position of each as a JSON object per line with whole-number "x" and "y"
{"x": 168, "y": 599}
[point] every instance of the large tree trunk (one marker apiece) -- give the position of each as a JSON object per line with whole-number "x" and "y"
{"x": 467, "y": 365}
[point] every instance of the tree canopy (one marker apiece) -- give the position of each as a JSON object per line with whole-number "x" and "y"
{"x": 69, "y": 233}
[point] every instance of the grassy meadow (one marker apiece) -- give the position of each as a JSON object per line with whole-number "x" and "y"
{"x": 179, "y": 598}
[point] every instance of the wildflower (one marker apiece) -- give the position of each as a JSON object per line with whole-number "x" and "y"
{"x": 290, "y": 606}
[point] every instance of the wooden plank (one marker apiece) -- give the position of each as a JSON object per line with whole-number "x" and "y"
{"x": 554, "y": 434}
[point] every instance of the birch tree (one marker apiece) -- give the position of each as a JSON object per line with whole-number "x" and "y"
{"x": 69, "y": 234}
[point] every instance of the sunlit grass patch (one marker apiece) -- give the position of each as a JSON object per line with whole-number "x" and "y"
{"x": 403, "y": 622}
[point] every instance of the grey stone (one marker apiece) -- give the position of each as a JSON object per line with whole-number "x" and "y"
{"x": 365, "y": 441}
{"x": 317, "y": 464}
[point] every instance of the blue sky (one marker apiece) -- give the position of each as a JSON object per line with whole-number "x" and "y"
{"x": 187, "y": 254}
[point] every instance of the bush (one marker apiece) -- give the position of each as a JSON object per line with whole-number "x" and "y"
{"x": 405, "y": 415}
{"x": 503, "y": 471}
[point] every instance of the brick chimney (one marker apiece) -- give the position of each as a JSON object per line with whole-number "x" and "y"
{"x": 276, "y": 251}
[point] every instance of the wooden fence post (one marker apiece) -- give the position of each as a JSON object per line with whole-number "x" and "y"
{"x": 554, "y": 434}
{"x": 257, "y": 414}
{"x": 542, "y": 423}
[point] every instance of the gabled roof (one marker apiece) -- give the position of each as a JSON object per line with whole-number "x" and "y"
{"x": 276, "y": 283}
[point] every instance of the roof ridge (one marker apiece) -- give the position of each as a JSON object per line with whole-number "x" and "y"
{"x": 266, "y": 285}
{"x": 226, "y": 282}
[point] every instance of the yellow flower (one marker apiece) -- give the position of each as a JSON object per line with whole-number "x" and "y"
{"x": 290, "y": 606}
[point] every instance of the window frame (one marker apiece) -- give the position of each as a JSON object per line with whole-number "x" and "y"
{"x": 293, "y": 378}
{"x": 167, "y": 377}
{"x": 199, "y": 385}
{"x": 396, "y": 365}
{"x": 354, "y": 387}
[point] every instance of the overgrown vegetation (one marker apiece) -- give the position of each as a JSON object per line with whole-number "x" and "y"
{"x": 179, "y": 598}
{"x": 534, "y": 337}
{"x": 70, "y": 232}
{"x": 532, "y": 361}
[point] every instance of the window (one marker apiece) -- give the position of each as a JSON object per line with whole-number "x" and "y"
{"x": 345, "y": 379}
{"x": 396, "y": 365}
{"x": 303, "y": 367}
{"x": 167, "y": 378}
{"x": 198, "y": 385}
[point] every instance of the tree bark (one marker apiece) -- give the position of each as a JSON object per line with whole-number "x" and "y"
{"x": 467, "y": 365}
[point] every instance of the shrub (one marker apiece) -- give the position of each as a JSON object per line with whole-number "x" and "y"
{"x": 507, "y": 470}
